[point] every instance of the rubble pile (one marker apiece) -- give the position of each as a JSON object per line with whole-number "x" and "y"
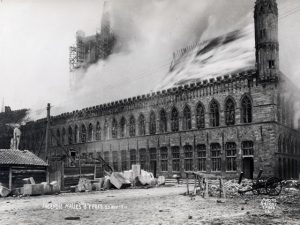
{"x": 31, "y": 188}
{"x": 134, "y": 178}
{"x": 231, "y": 187}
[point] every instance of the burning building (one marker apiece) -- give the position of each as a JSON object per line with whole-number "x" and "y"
{"x": 237, "y": 122}
{"x": 90, "y": 49}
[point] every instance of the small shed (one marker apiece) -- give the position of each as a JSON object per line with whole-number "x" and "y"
{"x": 15, "y": 165}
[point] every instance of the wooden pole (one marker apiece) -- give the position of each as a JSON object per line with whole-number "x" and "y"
{"x": 10, "y": 179}
{"x": 79, "y": 165}
{"x": 187, "y": 184}
{"x": 47, "y": 131}
{"x": 206, "y": 188}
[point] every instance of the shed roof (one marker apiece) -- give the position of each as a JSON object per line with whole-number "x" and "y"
{"x": 18, "y": 157}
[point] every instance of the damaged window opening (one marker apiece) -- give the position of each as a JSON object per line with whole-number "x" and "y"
{"x": 175, "y": 158}
{"x": 230, "y": 149}
{"x": 201, "y": 153}
{"x": 152, "y": 124}
{"x": 215, "y": 157}
{"x": 174, "y": 120}
{"x": 164, "y": 159}
{"x": 200, "y": 116}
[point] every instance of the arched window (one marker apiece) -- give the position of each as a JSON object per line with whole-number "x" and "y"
{"x": 98, "y": 131}
{"x": 200, "y": 116}
{"x": 63, "y": 137}
{"x": 152, "y": 124}
{"x": 114, "y": 129}
{"x": 83, "y": 133}
{"x": 122, "y": 127}
{"x": 187, "y": 122}
{"x": 142, "y": 130}
{"x": 246, "y": 110}
{"x": 174, "y": 120}
{"x": 132, "y": 126}
{"x": 229, "y": 112}
{"x": 76, "y": 134}
{"x": 279, "y": 144}
{"x": 214, "y": 114}
{"x": 163, "y": 121}
{"x": 58, "y": 137}
{"x": 70, "y": 136}
{"x": 90, "y": 132}
{"x": 105, "y": 129}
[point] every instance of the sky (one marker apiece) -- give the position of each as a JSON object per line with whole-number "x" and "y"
{"x": 35, "y": 36}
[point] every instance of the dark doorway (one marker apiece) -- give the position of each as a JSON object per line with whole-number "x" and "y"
{"x": 248, "y": 167}
{"x": 153, "y": 167}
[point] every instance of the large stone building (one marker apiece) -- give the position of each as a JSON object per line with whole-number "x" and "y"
{"x": 238, "y": 122}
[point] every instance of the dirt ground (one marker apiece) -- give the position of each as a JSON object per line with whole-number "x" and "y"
{"x": 161, "y": 205}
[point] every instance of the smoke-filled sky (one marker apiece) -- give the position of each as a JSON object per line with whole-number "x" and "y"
{"x": 35, "y": 36}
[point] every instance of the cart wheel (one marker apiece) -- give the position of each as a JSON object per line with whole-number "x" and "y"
{"x": 273, "y": 186}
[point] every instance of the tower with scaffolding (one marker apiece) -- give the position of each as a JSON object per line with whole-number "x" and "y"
{"x": 89, "y": 49}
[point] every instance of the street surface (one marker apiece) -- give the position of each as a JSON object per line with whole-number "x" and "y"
{"x": 161, "y": 205}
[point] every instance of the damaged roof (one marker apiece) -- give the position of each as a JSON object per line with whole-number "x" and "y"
{"x": 18, "y": 157}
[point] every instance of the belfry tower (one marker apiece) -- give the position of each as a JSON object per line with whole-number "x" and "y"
{"x": 266, "y": 39}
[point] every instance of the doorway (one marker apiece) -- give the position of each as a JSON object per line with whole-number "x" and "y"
{"x": 248, "y": 167}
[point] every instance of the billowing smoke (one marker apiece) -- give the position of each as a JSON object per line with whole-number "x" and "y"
{"x": 148, "y": 32}
{"x": 226, "y": 54}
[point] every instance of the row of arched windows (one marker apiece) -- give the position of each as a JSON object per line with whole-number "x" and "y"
{"x": 120, "y": 128}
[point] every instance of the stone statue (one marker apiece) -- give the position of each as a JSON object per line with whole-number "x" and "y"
{"x": 15, "y": 141}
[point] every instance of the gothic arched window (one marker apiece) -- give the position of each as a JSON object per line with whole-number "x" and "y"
{"x": 142, "y": 130}
{"x": 163, "y": 121}
{"x": 90, "y": 132}
{"x": 76, "y": 134}
{"x": 152, "y": 124}
{"x": 132, "y": 126}
{"x": 114, "y": 128}
{"x": 83, "y": 133}
{"x": 70, "y": 135}
{"x": 187, "y": 121}
{"x": 58, "y": 137}
{"x": 98, "y": 131}
{"x": 214, "y": 114}
{"x": 174, "y": 120}
{"x": 122, "y": 127}
{"x": 229, "y": 112}
{"x": 246, "y": 110}
{"x": 200, "y": 116}
{"x": 105, "y": 129}
{"x": 63, "y": 137}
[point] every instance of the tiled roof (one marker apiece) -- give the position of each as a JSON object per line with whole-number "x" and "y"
{"x": 18, "y": 157}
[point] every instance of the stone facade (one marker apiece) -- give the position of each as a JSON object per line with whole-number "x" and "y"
{"x": 240, "y": 122}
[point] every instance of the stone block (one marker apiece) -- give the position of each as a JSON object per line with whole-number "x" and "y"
{"x": 47, "y": 188}
{"x": 96, "y": 186}
{"x": 118, "y": 180}
{"x": 136, "y": 170}
{"x": 4, "y": 192}
{"x": 33, "y": 189}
